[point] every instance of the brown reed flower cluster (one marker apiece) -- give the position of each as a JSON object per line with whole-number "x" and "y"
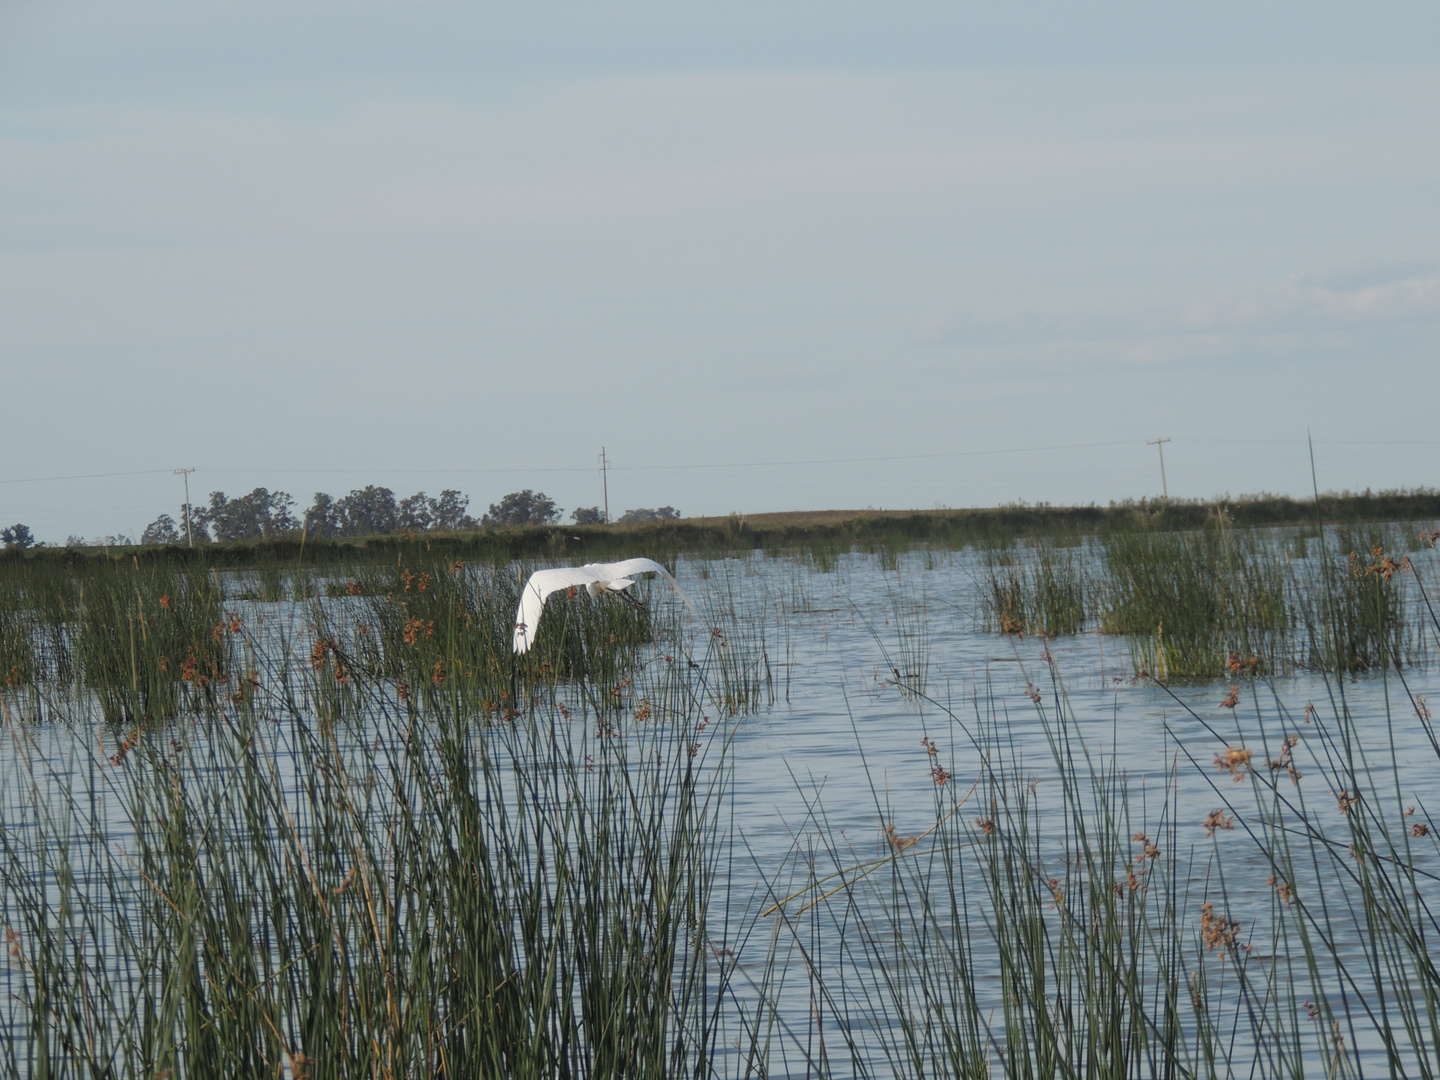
{"x": 127, "y": 743}
{"x": 1133, "y": 883}
{"x": 352, "y": 588}
{"x": 414, "y": 628}
{"x": 325, "y": 651}
{"x": 1235, "y": 666}
{"x": 1346, "y": 800}
{"x": 190, "y": 672}
{"x": 694, "y": 747}
{"x": 1422, "y": 709}
{"x": 246, "y": 687}
{"x": 419, "y": 582}
{"x": 985, "y": 825}
{"x": 1197, "y": 994}
{"x": 1384, "y": 565}
{"x": 1428, "y": 537}
{"x": 898, "y": 842}
{"x": 1149, "y": 853}
{"x": 938, "y": 772}
{"x": 1217, "y": 820}
{"x": 1217, "y": 933}
{"x": 1231, "y": 699}
{"x": 233, "y": 625}
{"x": 1286, "y": 760}
{"x": 1235, "y": 761}
{"x": 1053, "y": 884}
{"x": 167, "y": 603}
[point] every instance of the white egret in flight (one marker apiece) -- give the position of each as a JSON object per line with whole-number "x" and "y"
{"x": 596, "y": 577}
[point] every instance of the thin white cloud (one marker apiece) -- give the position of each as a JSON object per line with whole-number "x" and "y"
{"x": 1324, "y": 309}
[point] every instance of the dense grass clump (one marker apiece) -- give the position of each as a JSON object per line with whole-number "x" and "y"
{"x": 1196, "y": 603}
{"x": 153, "y": 641}
{"x": 1353, "y": 609}
{"x": 257, "y": 893}
{"x": 1042, "y": 591}
{"x": 436, "y": 630}
{"x": 148, "y": 640}
{"x": 17, "y": 647}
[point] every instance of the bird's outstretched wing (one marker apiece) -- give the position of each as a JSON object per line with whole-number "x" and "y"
{"x": 532, "y": 599}
{"x": 616, "y": 570}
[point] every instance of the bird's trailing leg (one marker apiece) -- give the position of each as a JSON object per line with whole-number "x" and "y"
{"x": 627, "y": 598}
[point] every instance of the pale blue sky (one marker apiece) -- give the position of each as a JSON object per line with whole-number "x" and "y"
{"x": 792, "y": 256}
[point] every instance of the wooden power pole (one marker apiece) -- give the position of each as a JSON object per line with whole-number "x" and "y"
{"x": 605, "y": 482}
{"x": 185, "y": 474}
{"x": 1159, "y": 445}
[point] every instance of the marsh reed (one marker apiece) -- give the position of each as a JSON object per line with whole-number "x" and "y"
{"x": 1043, "y": 589}
{"x": 359, "y": 847}
{"x": 267, "y": 891}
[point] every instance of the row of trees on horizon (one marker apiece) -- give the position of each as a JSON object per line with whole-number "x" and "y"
{"x": 367, "y": 511}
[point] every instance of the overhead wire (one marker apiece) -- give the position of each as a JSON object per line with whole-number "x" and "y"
{"x": 697, "y": 466}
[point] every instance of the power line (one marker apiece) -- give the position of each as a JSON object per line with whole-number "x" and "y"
{"x": 85, "y": 476}
{"x": 697, "y": 466}
{"x": 884, "y": 457}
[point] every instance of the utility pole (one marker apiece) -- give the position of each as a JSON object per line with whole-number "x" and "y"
{"x": 1159, "y": 445}
{"x": 605, "y": 481}
{"x": 185, "y": 475}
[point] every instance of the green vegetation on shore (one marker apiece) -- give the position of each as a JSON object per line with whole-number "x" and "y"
{"x": 953, "y": 528}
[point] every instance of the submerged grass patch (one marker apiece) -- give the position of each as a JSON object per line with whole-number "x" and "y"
{"x": 1043, "y": 590}
{"x": 1218, "y": 601}
{"x": 1193, "y": 601}
{"x": 1354, "y": 609}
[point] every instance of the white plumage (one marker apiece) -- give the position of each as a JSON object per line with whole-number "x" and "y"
{"x": 596, "y": 577}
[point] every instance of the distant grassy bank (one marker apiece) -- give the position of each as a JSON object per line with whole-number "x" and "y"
{"x": 952, "y": 528}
